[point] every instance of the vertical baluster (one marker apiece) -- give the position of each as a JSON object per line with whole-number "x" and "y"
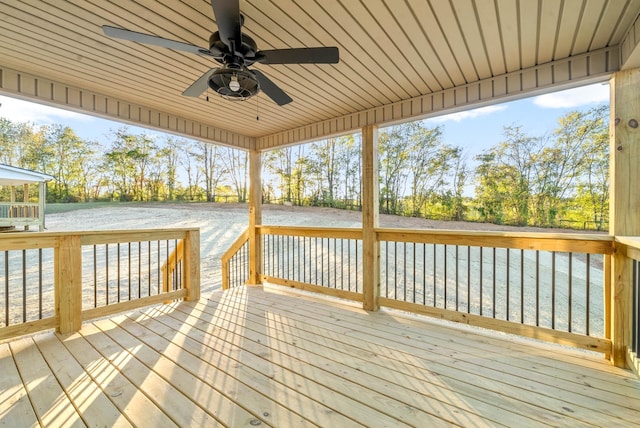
{"x": 349, "y": 263}
{"x": 445, "y": 276}
{"x": 493, "y": 274}
{"x": 335, "y": 264}
{"x": 570, "y": 286}
{"x": 386, "y": 267}
{"x": 537, "y": 288}
{"x": 6, "y": 288}
{"x": 139, "y": 269}
{"x": 40, "y": 283}
{"x": 468, "y": 279}
{"x": 424, "y": 271}
{"x": 106, "y": 268}
{"x": 404, "y": 269}
{"x": 522, "y": 286}
{"x": 481, "y": 285}
{"x": 118, "y": 277}
{"x": 635, "y": 309}
{"x": 24, "y": 285}
{"x": 357, "y": 264}
{"x": 508, "y": 283}
{"x": 457, "y": 279}
{"x": 395, "y": 269}
{"x": 588, "y": 296}
{"x": 553, "y": 289}
{"x": 158, "y": 268}
{"x": 322, "y": 261}
{"x": 414, "y": 272}
{"x": 95, "y": 277}
{"x": 149, "y": 268}
{"x": 434, "y": 275}
{"x": 129, "y": 268}
{"x": 342, "y": 264}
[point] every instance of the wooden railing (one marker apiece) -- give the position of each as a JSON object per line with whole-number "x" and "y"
{"x": 553, "y": 287}
{"x": 546, "y": 286}
{"x": 20, "y": 214}
{"x": 629, "y": 247}
{"x": 235, "y": 262}
{"x": 58, "y": 279}
{"x": 325, "y": 260}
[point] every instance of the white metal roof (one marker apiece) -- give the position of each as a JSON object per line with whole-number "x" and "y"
{"x": 13, "y": 176}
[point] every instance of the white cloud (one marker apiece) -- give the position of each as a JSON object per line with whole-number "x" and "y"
{"x": 592, "y": 94}
{"x": 23, "y": 111}
{"x": 469, "y": 114}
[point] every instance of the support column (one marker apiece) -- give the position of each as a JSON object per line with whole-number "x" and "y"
{"x": 26, "y": 211}
{"x": 68, "y": 283}
{"x": 370, "y": 218}
{"x": 255, "y": 217}
{"x": 624, "y": 217}
{"x": 42, "y": 198}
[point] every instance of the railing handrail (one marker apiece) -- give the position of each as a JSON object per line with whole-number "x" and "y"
{"x": 173, "y": 232}
{"x": 561, "y": 242}
{"x": 236, "y": 245}
{"x": 22, "y": 204}
{"x": 228, "y": 255}
{"x": 320, "y": 232}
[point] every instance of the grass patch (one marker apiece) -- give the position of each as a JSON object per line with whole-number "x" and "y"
{"x": 64, "y": 208}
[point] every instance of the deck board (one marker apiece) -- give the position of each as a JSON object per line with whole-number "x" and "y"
{"x": 448, "y": 359}
{"x": 15, "y": 407}
{"x": 270, "y": 357}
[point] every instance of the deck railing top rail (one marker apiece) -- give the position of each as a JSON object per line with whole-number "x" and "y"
{"x": 560, "y": 242}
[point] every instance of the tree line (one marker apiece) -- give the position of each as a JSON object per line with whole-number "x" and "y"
{"x": 559, "y": 179}
{"x": 556, "y": 179}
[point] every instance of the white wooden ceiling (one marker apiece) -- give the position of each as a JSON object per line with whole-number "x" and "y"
{"x": 392, "y": 54}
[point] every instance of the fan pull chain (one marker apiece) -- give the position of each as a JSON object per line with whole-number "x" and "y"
{"x": 257, "y": 109}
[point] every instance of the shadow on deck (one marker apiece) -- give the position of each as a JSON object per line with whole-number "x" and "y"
{"x": 268, "y": 357}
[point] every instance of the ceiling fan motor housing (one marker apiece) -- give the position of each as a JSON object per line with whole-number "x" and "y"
{"x": 247, "y": 85}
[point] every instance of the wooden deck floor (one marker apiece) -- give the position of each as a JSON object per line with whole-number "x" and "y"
{"x": 254, "y": 357}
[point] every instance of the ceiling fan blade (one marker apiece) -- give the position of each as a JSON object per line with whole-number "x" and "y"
{"x": 134, "y": 36}
{"x": 199, "y": 86}
{"x": 227, "y": 14}
{"x": 271, "y": 89}
{"x": 324, "y": 55}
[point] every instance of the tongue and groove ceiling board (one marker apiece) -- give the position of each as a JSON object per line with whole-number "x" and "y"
{"x": 399, "y": 59}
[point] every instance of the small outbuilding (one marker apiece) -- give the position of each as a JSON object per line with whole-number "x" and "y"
{"x": 22, "y": 214}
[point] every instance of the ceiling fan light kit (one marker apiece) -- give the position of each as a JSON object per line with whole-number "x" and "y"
{"x": 237, "y": 84}
{"x": 236, "y": 52}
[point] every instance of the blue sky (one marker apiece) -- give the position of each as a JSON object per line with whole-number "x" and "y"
{"x": 475, "y": 129}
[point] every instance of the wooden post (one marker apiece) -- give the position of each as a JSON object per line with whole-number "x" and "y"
{"x": 191, "y": 272}
{"x": 370, "y": 218}
{"x": 255, "y": 217}
{"x": 68, "y": 284}
{"x": 42, "y": 198}
{"x": 26, "y": 211}
{"x": 624, "y": 200}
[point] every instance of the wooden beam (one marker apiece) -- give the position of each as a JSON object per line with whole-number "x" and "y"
{"x": 624, "y": 200}
{"x": 370, "y": 218}
{"x": 68, "y": 284}
{"x": 255, "y": 217}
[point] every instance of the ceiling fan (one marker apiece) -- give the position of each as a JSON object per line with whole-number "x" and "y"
{"x": 236, "y": 52}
